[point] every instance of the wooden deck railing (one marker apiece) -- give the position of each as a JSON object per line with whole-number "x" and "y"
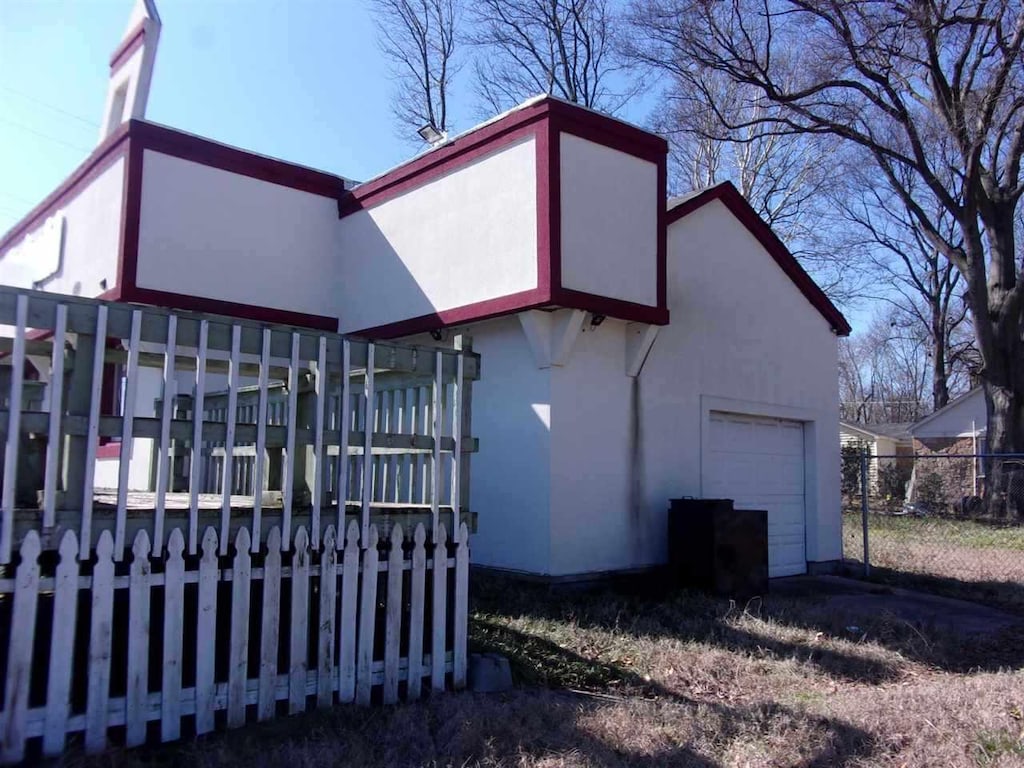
{"x": 277, "y": 426}
{"x": 296, "y": 516}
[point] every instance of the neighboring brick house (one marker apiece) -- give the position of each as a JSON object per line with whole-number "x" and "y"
{"x": 957, "y": 430}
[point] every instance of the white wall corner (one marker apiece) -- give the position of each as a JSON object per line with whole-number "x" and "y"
{"x": 536, "y": 327}
{"x": 639, "y": 340}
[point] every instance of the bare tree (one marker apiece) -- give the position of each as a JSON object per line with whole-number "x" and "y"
{"x": 924, "y": 288}
{"x": 562, "y": 47}
{"x": 883, "y": 375}
{"x": 789, "y": 181}
{"x": 930, "y": 88}
{"x": 419, "y": 37}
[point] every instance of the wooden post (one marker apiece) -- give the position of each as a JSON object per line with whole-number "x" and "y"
{"x": 464, "y": 343}
{"x": 304, "y": 465}
{"x": 79, "y": 399}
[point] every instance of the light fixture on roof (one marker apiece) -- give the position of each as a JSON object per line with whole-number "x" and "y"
{"x": 596, "y": 320}
{"x": 431, "y": 135}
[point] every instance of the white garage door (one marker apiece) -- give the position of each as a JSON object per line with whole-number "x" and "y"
{"x": 759, "y": 463}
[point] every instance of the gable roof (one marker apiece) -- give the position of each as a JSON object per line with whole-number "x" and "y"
{"x": 897, "y": 431}
{"x": 952, "y": 404}
{"x": 742, "y": 210}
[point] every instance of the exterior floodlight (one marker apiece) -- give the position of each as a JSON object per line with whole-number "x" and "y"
{"x": 431, "y": 135}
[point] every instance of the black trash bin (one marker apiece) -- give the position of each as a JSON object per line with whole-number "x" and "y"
{"x": 717, "y": 548}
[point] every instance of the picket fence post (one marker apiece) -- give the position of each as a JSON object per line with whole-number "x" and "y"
{"x": 300, "y": 617}
{"x": 62, "y": 645}
{"x": 266, "y": 701}
{"x": 367, "y": 620}
{"x": 19, "y": 662}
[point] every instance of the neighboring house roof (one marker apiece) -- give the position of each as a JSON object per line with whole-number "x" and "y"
{"x": 950, "y": 406}
{"x": 730, "y": 196}
{"x": 898, "y": 431}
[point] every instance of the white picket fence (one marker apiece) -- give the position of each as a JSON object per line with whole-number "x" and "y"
{"x": 296, "y": 633}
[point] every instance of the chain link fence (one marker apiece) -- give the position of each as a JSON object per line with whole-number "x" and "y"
{"x": 948, "y": 523}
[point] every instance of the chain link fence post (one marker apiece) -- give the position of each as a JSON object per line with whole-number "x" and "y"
{"x": 864, "y": 508}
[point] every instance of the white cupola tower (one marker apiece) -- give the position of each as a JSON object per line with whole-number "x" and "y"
{"x": 131, "y": 68}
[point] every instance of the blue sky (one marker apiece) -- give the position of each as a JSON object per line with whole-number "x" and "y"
{"x": 300, "y": 80}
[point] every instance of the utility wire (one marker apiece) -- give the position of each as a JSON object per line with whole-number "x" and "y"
{"x": 55, "y": 108}
{"x": 42, "y": 135}
{"x": 15, "y": 198}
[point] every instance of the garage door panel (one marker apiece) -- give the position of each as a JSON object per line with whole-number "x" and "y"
{"x": 759, "y": 463}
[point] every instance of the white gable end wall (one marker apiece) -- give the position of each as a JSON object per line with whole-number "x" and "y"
{"x": 743, "y": 338}
{"x": 578, "y": 461}
{"x": 959, "y": 419}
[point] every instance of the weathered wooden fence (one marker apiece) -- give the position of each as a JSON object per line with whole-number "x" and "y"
{"x": 128, "y": 614}
{"x": 176, "y": 640}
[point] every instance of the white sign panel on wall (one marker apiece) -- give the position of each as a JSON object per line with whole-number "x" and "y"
{"x": 35, "y": 258}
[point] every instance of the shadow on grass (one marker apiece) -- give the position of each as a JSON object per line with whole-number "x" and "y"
{"x": 524, "y": 727}
{"x": 649, "y": 610}
{"x": 1004, "y": 595}
{"x": 821, "y": 741}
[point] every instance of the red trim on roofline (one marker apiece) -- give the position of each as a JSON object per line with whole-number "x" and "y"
{"x": 462, "y": 150}
{"x": 603, "y": 305}
{"x": 742, "y": 210}
{"x": 601, "y": 129}
{"x": 229, "y": 309}
{"x": 546, "y": 120}
{"x": 128, "y": 46}
{"x": 443, "y": 160}
{"x": 105, "y": 155}
{"x": 512, "y": 304}
{"x": 185, "y": 146}
{"x": 130, "y": 142}
{"x": 192, "y": 148}
{"x": 470, "y": 313}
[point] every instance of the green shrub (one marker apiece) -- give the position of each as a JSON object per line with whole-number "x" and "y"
{"x": 850, "y": 482}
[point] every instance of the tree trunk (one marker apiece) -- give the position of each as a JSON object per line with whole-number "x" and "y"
{"x": 1004, "y": 479}
{"x": 940, "y": 384}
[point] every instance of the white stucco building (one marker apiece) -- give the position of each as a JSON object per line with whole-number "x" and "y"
{"x": 633, "y": 349}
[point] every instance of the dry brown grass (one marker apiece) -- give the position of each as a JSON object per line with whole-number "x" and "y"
{"x": 614, "y": 679}
{"x": 965, "y": 559}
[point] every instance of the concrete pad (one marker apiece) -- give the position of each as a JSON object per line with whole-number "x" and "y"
{"x": 852, "y": 598}
{"x": 489, "y": 673}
